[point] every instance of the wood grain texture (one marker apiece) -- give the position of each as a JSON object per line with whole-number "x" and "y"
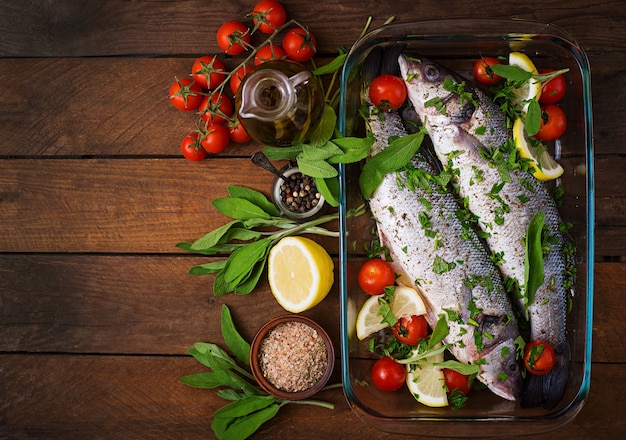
{"x": 97, "y": 308}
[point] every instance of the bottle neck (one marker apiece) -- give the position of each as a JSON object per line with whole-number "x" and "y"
{"x": 267, "y": 95}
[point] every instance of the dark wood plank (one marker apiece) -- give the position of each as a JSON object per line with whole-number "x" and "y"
{"x": 139, "y": 397}
{"x": 139, "y": 304}
{"x": 67, "y": 28}
{"x": 119, "y": 107}
{"x": 108, "y": 205}
{"x": 127, "y": 304}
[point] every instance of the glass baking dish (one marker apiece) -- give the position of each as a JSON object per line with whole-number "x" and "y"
{"x": 456, "y": 44}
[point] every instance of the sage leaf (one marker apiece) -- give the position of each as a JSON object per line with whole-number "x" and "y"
{"x": 329, "y": 189}
{"x": 512, "y": 73}
{"x": 238, "y": 208}
{"x": 207, "y": 268}
{"x": 467, "y": 369}
{"x": 318, "y": 168}
{"x": 398, "y": 154}
{"x": 242, "y": 261}
{"x": 533, "y": 118}
{"x": 439, "y": 332}
{"x": 246, "y": 286}
{"x": 241, "y": 418}
{"x": 333, "y": 66}
{"x": 234, "y": 341}
{"x": 283, "y": 153}
{"x": 353, "y": 149}
{"x": 325, "y": 128}
{"x": 254, "y": 197}
{"x": 206, "y": 380}
{"x": 322, "y": 152}
{"x": 232, "y": 395}
{"x": 212, "y": 238}
{"x": 533, "y": 260}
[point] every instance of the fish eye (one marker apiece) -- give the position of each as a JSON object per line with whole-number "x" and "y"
{"x": 512, "y": 367}
{"x": 431, "y": 72}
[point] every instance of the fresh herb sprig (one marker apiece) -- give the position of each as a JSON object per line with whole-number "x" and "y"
{"x": 255, "y": 227}
{"x": 250, "y": 406}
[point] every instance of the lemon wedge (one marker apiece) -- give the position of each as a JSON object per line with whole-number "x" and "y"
{"x": 300, "y": 273}
{"x": 404, "y": 302}
{"x": 544, "y": 165}
{"x": 531, "y": 90}
{"x": 426, "y": 382}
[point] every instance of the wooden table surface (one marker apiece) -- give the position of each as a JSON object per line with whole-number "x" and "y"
{"x": 97, "y": 309}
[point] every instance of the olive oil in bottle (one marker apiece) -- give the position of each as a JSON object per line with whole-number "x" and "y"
{"x": 279, "y": 103}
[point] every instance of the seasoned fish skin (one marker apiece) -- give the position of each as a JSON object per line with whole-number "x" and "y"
{"x": 504, "y": 209}
{"x": 472, "y": 289}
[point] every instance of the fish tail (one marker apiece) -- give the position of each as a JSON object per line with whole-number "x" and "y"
{"x": 547, "y": 390}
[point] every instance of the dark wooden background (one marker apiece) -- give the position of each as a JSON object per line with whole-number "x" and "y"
{"x": 96, "y": 307}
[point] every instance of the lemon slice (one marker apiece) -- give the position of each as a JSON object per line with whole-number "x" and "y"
{"x": 532, "y": 88}
{"x": 300, "y": 273}
{"x": 404, "y": 302}
{"x": 426, "y": 381}
{"x": 544, "y": 165}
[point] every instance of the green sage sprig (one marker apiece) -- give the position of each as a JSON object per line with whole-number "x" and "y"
{"x": 250, "y": 406}
{"x": 255, "y": 227}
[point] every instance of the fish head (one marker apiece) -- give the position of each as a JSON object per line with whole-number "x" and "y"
{"x": 434, "y": 92}
{"x": 501, "y": 372}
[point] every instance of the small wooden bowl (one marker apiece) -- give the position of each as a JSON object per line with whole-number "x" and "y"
{"x": 256, "y": 366}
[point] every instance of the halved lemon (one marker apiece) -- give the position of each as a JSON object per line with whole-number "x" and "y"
{"x": 300, "y": 273}
{"x": 532, "y": 88}
{"x": 426, "y": 382}
{"x": 405, "y": 302}
{"x": 544, "y": 165}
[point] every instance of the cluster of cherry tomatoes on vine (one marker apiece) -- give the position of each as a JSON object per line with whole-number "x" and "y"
{"x": 205, "y": 92}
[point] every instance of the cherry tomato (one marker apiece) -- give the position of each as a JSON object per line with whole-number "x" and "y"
{"x": 539, "y": 357}
{"x": 410, "y": 329}
{"x": 185, "y": 94}
{"x": 387, "y": 92}
{"x": 269, "y": 52}
{"x": 553, "y": 90}
{"x": 375, "y": 275}
{"x": 236, "y": 79}
{"x": 208, "y": 72}
{"x": 387, "y": 374}
{"x": 483, "y": 73}
{"x": 456, "y": 380}
{"x": 299, "y": 44}
{"x": 215, "y": 139}
{"x": 233, "y": 37}
{"x": 270, "y": 14}
{"x": 553, "y": 123}
{"x": 191, "y": 149}
{"x": 238, "y": 133}
{"x": 211, "y": 105}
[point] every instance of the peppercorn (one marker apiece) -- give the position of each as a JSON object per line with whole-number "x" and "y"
{"x": 299, "y": 193}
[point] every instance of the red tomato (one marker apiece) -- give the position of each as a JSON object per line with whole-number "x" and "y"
{"x": 553, "y": 123}
{"x": 375, "y": 275}
{"x": 269, "y": 52}
{"x": 539, "y": 357}
{"x": 208, "y": 72}
{"x": 212, "y": 105}
{"x": 299, "y": 44}
{"x": 387, "y": 374}
{"x": 233, "y": 37}
{"x": 238, "y": 133}
{"x": 553, "y": 90}
{"x": 185, "y": 94}
{"x": 483, "y": 73}
{"x": 215, "y": 139}
{"x": 236, "y": 79}
{"x": 387, "y": 92}
{"x": 191, "y": 149}
{"x": 270, "y": 14}
{"x": 456, "y": 380}
{"x": 410, "y": 329}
